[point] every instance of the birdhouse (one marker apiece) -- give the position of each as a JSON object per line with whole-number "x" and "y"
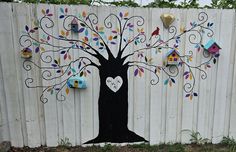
{"x": 212, "y": 47}
{"x": 172, "y": 57}
{"x": 26, "y": 53}
{"x": 77, "y": 82}
{"x": 74, "y": 26}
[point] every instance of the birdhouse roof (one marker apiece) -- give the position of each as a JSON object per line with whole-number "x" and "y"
{"x": 171, "y": 51}
{"x": 74, "y": 21}
{"x": 210, "y": 43}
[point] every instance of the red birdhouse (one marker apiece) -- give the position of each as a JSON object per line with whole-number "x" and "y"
{"x": 212, "y": 47}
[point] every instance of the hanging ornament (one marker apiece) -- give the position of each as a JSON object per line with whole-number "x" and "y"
{"x": 167, "y": 19}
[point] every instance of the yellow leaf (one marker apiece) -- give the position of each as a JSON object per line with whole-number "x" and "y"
{"x": 182, "y": 29}
{"x": 190, "y": 76}
{"x": 101, "y": 28}
{"x": 67, "y": 90}
{"x": 126, "y": 14}
{"x": 62, "y": 32}
{"x": 42, "y": 49}
{"x": 110, "y": 38}
{"x": 43, "y": 11}
{"x": 138, "y": 30}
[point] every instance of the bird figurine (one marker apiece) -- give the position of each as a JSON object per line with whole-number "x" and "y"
{"x": 156, "y": 32}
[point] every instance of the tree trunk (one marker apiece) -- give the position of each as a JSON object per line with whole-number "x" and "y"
{"x": 113, "y": 108}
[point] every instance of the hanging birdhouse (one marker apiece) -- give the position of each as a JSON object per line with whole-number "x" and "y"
{"x": 172, "y": 57}
{"x": 212, "y": 47}
{"x": 74, "y": 26}
{"x": 77, "y": 82}
{"x": 167, "y": 19}
{"x": 26, "y": 53}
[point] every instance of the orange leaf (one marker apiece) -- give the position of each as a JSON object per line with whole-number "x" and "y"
{"x": 67, "y": 33}
{"x": 126, "y": 14}
{"x": 191, "y": 97}
{"x": 95, "y": 35}
{"x": 67, "y": 90}
{"x": 110, "y": 38}
{"x": 84, "y": 14}
{"x": 69, "y": 57}
{"x": 140, "y": 73}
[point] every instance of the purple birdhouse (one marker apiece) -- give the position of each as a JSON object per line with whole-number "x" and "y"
{"x": 212, "y": 47}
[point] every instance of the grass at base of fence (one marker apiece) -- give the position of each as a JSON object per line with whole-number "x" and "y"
{"x": 133, "y": 148}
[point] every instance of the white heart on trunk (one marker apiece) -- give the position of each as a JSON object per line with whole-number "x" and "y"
{"x": 114, "y": 84}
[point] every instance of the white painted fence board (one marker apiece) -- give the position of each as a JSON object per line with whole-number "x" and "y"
{"x": 223, "y": 71}
{"x": 9, "y": 79}
{"x": 158, "y": 113}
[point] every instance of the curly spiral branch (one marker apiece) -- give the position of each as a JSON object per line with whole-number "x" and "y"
{"x": 172, "y": 30}
{"x": 173, "y": 70}
{"x": 202, "y": 17}
{"x": 108, "y": 24}
{"x": 25, "y": 41}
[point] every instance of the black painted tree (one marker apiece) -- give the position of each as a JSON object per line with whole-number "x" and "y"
{"x": 90, "y": 38}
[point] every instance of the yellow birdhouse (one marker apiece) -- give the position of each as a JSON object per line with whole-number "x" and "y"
{"x": 26, "y": 53}
{"x": 172, "y": 57}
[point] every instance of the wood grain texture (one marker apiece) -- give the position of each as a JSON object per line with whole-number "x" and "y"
{"x": 159, "y": 113}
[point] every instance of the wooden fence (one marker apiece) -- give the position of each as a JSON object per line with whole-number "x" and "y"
{"x": 159, "y": 113}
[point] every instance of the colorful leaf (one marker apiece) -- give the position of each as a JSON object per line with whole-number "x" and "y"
{"x": 36, "y": 49}
{"x": 26, "y": 28}
{"x": 121, "y": 15}
{"x": 47, "y": 11}
{"x": 126, "y": 14}
{"x": 110, "y": 38}
{"x": 61, "y": 16}
{"x": 113, "y": 43}
{"x": 84, "y": 14}
{"x": 81, "y": 30}
{"x": 81, "y": 74}
{"x": 173, "y": 80}
{"x": 136, "y": 72}
{"x": 62, "y": 11}
{"x": 166, "y": 81}
{"x": 195, "y": 94}
{"x": 187, "y": 95}
{"x": 67, "y": 90}
{"x": 65, "y": 56}
{"x": 66, "y": 10}
{"x": 43, "y": 12}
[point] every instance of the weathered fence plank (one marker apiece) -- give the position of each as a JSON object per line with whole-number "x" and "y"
{"x": 159, "y": 113}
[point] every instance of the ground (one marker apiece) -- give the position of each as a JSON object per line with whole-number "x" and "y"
{"x": 133, "y": 148}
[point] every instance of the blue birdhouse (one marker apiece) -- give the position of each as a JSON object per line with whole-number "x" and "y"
{"x": 77, "y": 82}
{"x": 74, "y": 26}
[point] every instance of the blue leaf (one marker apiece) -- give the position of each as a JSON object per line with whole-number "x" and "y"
{"x": 26, "y": 28}
{"x": 47, "y": 11}
{"x": 173, "y": 80}
{"x": 62, "y": 10}
{"x": 63, "y": 52}
{"x": 81, "y": 30}
{"x": 61, "y": 16}
{"x": 166, "y": 81}
{"x": 37, "y": 50}
{"x": 121, "y": 15}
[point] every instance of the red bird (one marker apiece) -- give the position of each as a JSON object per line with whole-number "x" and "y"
{"x": 156, "y": 32}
